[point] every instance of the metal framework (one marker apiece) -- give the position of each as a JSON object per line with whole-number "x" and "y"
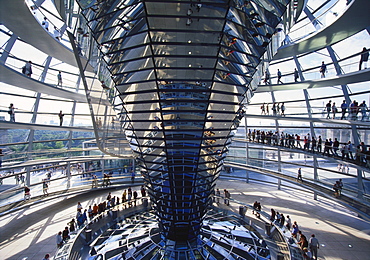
{"x": 182, "y": 71}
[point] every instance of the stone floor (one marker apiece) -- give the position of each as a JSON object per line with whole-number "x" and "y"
{"x": 30, "y": 232}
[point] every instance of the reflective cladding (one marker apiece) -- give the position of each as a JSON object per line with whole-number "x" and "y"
{"x": 222, "y": 236}
{"x": 182, "y": 70}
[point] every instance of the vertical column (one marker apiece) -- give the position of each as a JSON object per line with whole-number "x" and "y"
{"x": 360, "y": 184}
{"x": 68, "y": 170}
{"x": 28, "y": 176}
{"x": 102, "y": 165}
{"x": 8, "y": 47}
{"x": 312, "y": 131}
{"x": 72, "y": 122}
{"x": 299, "y": 68}
{"x": 246, "y": 149}
{"x": 278, "y": 147}
{"x": 355, "y": 136}
{"x": 36, "y": 105}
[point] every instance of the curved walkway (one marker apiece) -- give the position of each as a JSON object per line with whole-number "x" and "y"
{"x": 296, "y": 149}
{"x": 74, "y": 159}
{"x": 348, "y": 78}
{"x": 355, "y": 204}
{"x": 352, "y": 21}
{"x": 15, "y": 78}
{"x": 341, "y": 233}
{"x": 308, "y": 119}
{"x": 11, "y": 125}
{"x": 16, "y": 16}
{"x": 30, "y": 232}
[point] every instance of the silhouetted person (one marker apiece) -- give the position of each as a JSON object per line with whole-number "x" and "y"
{"x": 59, "y": 77}
{"x": 299, "y": 177}
{"x": 11, "y": 112}
{"x": 61, "y": 115}
{"x": 57, "y": 33}
{"x": 45, "y": 24}
{"x": 279, "y": 77}
{"x": 27, "y": 69}
{"x": 364, "y": 57}
{"x": 344, "y": 107}
{"x": 323, "y": 70}
{"x": 296, "y": 75}
{"x": 267, "y": 77}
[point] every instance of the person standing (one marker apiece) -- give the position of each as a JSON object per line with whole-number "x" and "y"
{"x": 334, "y": 109}
{"x": 279, "y": 77}
{"x": 27, "y": 69}
{"x": 278, "y": 108}
{"x": 59, "y": 239}
{"x": 59, "y": 77}
{"x": 344, "y": 108}
{"x": 11, "y": 112}
{"x": 313, "y": 244}
{"x": 124, "y": 194}
{"x": 45, "y": 24}
{"x": 288, "y": 222}
{"x": 45, "y": 188}
{"x": 218, "y": 195}
{"x": 61, "y": 115}
{"x": 364, "y": 57}
{"x": 273, "y": 109}
{"x": 296, "y": 75}
{"x": 282, "y": 108}
{"x": 323, "y": 69}
{"x": 263, "y": 110}
{"x": 267, "y": 77}
{"x": 328, "y": 109}
{"x": 350, "y": 149}
{"x": 46, "y": 257}
{"x": 57, "y": 34}
{"x": 143, "y": 191}
{"x": 282, "y": 220}
{"x": 298, "y": 140}
{"x": 226, "y": 197}
{"x": 72, "y": 225}
{"x": 363, "y": 108}
{"x": 335, "y": 147}
{"x": 344, "y": 151}
{"x": 314, "y": 144}
{"x": 299, "y": 177}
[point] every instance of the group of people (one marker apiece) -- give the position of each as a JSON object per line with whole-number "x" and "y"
{"x": 353, "y": 109}
{"x": 227, "y": 196}
{"x": 364, "y": 57}
{"x": 359, "y": 154}
{"x": 128, "y": 199}
{"x": 11, "y": 112}
{"x": 331, "y": 110}
{"x": 308, "y": 246}
{"x": 279, "y": 75}
{"x": 45, "y": 23}
{"x": 256, "y": 209}
{"x": 277, "y": 109}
